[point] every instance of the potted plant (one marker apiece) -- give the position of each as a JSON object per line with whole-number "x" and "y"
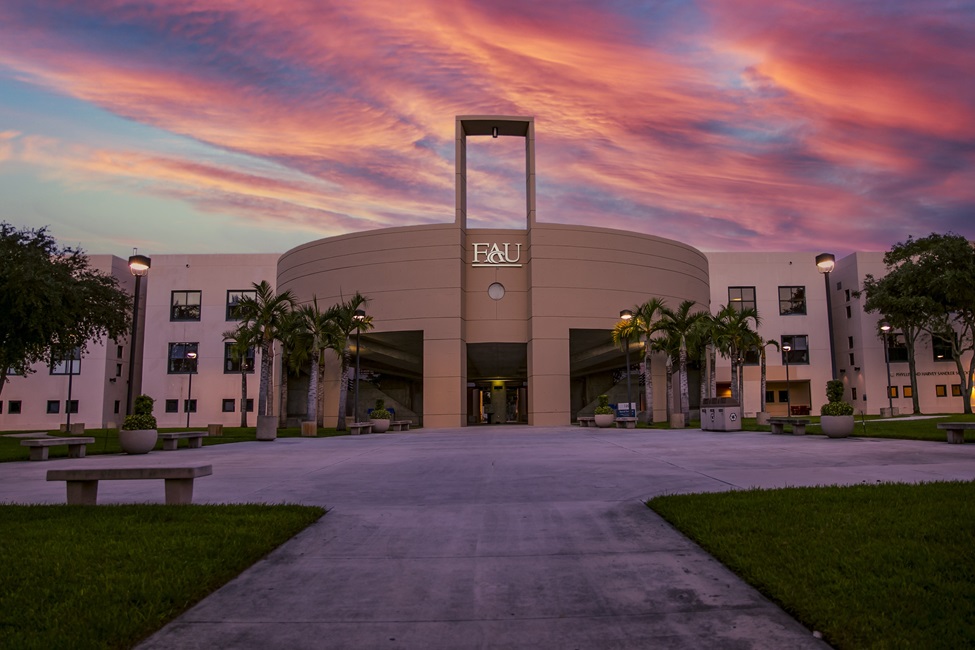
{"x": 380, "y": 417}
{"x": 836, "y": 415}
{"x": 604, "y": 414}
{"x": 138, "y": 434}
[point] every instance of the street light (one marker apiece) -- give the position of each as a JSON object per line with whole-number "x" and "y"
{"x": 138, "y": 266}
{"x": 788, "y": 388}
{"x": 627, "y": 315}
{"x": 189, "y": 392}
{"x": 825, "y": 262}
{"x": 885, "y": 328}
{"x": 358, "y": 317}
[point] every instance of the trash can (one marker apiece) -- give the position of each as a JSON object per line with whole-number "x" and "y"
{"x": 720, "y": 414}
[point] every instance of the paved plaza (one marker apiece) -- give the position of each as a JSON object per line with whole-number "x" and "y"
{"x": 497, "y": 537}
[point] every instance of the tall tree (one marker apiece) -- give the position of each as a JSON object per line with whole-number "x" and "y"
{"x": 264, "y": 314}
{"x": 646, "y": 325}
{"x": 52, "y": 301}
{"x": 763, "y": 356}
{"x": 242, "y": 341}
{"x": 295, "y": 350}
{"x": 346, "y": 324}
{"x": 734, "y": 335}
{"x": 322, "y": 335}
{"x": 680, "y": 325}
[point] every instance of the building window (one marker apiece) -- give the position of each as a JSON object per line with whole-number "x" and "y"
{"x": 893, "y": 391}
{"x": 70, "y": 364}
{"x": 848, "y": 295}
{"x": 182, "y": 358}
{"x": 799, "y": 354}
{"x": 118, "y": 352}
{"x": 941, "y": 348}
{"x": 189, "y": 406}
{"x": 896, "y": 348}
{"x": 770, "y": 396}
{"x": 956, "y": 390}
{"x": 231, "y": 362}
{"x": 118, "y": 405}
{"x": 53, "y": 406}
{"x": 908, "y": 391}
{"x": 941, "y": 390}
{"x": 71, "y": 406}
{"x": 741, "y": 298}
{"x": 849, "y": 312}
{"x": 172, "y": 406}
{"x": 752, "y": 357}
{"x": 233, "y": 299}
{"x": 13, "y": 407}
{"x": 853, "y": 393}
{"x": 1, "y": 407}
{"x": 792, "y": 300}
{"x": 185, "y": 305}
{"x": 783, "y": 396}
{"x": 850, "y": 339}
{"x": 250, "y": 405}
{"x": 118, "y": 369}
{"x": 852, "y": 360}
{"x": 229, "y": 405}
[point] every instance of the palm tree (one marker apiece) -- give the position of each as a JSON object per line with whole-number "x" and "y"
{"x": 761, "y": 350}
{"x": 733, "y": 338}
{"x": 680, "y": 325}
{"x": 645, "y": 324}
{"x": 295, "y": 343}
{"x": 263, "y": 314}
{"x": 241, "y": 352}
{"x": 321, "y": 334}
{"x": 345, "y": 324}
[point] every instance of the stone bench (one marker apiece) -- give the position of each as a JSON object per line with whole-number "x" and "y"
{"x": 82, "y": 484}
{"x": 956, "y": 431}
{"x": 194, "y": 439}
{"x": 586, "y": 421}
{"x": 360, "y": 427}
{"x": 399, "y": 425}
{"x": 626, "y": 423}
{"x": 798, "y": 425}
{"x": 39, "y": 446}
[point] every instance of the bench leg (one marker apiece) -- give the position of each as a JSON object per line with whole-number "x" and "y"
{"x": 171, "y": 445}
{"x": 179, "y": 491}
{"x": 40, "y": 453}
{"x": 82, "y": 493}
{"x": 195, "y": 443}
{"x": 778, "y": 428}
{"x": 76, "y": 451}
{"x": 955, "y": 437}
{"x": 798, "y": 429}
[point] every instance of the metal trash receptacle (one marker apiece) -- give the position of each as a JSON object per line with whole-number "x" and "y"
{"x": 720, "y": 414}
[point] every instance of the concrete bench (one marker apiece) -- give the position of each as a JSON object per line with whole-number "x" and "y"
{"x": 586, "y": 421}
{"x": 956, "y": 431}
{"x": 82, "y": 484}
{"x": 360, "y": 427}
{"x": 798, "y": 425}
{"x": 626, "y": 423}
{"x": 194, "y": 439}
{"x": 399, "y": 425}
{"x": 39, "y": 446}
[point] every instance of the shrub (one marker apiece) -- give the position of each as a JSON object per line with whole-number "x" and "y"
{"x": 834, "y": 390}
{"x": 142, "y": 418}
{"x": 836, "y": 405}
{"x": 380, "y": 412}
{"x": 604, "y": 408}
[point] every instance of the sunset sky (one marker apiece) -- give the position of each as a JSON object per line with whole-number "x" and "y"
{"x": 256, "y": 125}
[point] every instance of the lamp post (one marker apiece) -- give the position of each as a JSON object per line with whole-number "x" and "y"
{"x": 786, "y": 348}
{"x": 67, "y": 407}
{"x": 825, "y": 262}
{"x": 358, "y": 317}
{"x": 189, "y": 391}
{"x": 138, "y": 266}
{"x": 885, "y": 328}
{"x": 627, "y": 315}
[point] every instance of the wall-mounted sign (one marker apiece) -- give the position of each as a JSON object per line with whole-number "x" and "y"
{"x": 497, "y": 255}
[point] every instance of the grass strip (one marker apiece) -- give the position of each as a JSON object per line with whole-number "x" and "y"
{"x": 109, "y": 576}
{"x": 871, "y": 566}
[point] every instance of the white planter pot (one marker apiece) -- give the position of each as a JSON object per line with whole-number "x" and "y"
{"x": 267, "y": 427}
{"x": 837, "y": 426}
{"x": 604, "y": 420}
{"x": 380, "y": 426}
{"x": 138, "y": 441}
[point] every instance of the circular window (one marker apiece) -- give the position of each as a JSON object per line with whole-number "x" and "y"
{"x": 496, "y": 291}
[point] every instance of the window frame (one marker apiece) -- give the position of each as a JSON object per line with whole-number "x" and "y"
{"x": 238, "y": 294}
{"x": 796, "y": 305}
{"x": 60, "y": 366}
{"x": 15, "y": 407}
{"x": 741, "y": 303}
{"x": 171, "y": 406}
{"x": 940, "y": 343}
{"x": 232, "y": 367}
{"x": 183, "y": 365}
{"x": 53, "y": 406}
{"x": 176, "y": 310}
{"x": 941, "y": 390}
{"x": 802, "y": 354}
{"x": 232, "y": 403}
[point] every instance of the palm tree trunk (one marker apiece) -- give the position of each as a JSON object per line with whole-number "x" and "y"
{"x": 734, "y": 379}
{"x": 670, "y": 388}
{"x": 685, "y": 396}
{"x": 648, "y": 385}
{"x": 320, "y": 397}
{"x": 262, "y": 393}
{"x": 243, "y": 393}
{"x": 761, "y": 390}
{"x": 311, "y": 398}
{"x": 712, "y": 370}
{"x": 283, "y": 392}
{"x": 344, "y": 388}
{"x": 704, "y": 375}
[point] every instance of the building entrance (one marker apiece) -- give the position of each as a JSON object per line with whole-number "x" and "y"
{"x": 497, "y": 380}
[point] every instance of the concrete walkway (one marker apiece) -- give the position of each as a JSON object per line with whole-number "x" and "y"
{"x": 501, "y": 537}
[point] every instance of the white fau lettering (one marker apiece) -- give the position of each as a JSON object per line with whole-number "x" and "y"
{"x": 496, "y": 254}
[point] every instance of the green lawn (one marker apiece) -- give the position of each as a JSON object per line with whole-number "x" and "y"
{"x": 872, "y": 567}
{"x": 106, "y": 441}
{"x": 108, "y": 576}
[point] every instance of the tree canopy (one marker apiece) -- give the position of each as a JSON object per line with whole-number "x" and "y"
{"x": 52, "y": 301}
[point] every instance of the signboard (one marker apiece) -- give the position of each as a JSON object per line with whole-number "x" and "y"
{"x": 497, "y": 255}
{"x": 626, "y": 409}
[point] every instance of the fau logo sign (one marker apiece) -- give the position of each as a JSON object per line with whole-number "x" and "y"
{"x": 497, "y": 255}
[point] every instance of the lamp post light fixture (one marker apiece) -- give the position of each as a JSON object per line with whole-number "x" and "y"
{"x": 358, "y": 317}
{"x": 786, "y": 348}
{"x": 885, "y": 328}
{"x": 825, "y": 262}
{"x": 189, "y": 392}
{"x": 138, "y": 266}
{"x": 627, "y": 315}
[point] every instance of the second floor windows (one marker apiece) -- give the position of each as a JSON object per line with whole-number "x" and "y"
{"x": 741, "y": 298}
{"x": 792, "y": 300}
{"x": 182, "y": 358}
{"x": 69, "y": 364}
{"x": 799, "y": 352}
{"x": 233, "y": 299}
{"x": 232, "y": 361}
{"x": 185, "y": 305}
